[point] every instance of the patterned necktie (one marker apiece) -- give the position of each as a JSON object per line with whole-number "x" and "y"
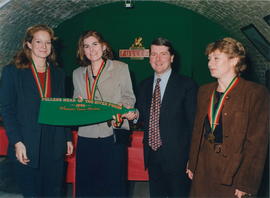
{"x": 154, "y": 132}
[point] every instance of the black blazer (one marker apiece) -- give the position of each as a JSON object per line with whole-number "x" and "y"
{"x": 176, "y": 118}
{"x": 20, "y": 100}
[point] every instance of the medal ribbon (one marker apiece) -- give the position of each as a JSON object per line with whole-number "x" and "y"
{"x": 91, "y": 92}
{"x": 42, "y": 92}
{"x": 214, "y": 115}
{"x": 118, "y": 120}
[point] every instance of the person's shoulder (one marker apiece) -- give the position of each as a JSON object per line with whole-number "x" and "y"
{"x": 207, "y": 87}
{"x": 253, "y": 87}
{"x": 118, "y": 67}
{"x": 10, "y": 69}
{"x": 144, "y": 85}
{"x": 182, "y": 77}
{"x": 251, "y": 84}
{"x": 184, "y": 80}
{"x": 78, "y": 70}
{"x": 118, "y": 63}
{"x": 57, "y": 69}
{"x": 148, "y": 80}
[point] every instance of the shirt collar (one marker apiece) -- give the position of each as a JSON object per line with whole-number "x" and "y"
{"x": 164, "y": 77}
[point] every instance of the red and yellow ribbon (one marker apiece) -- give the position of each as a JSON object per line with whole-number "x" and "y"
{"x": 118, "y": 120}
{"x": 214, "y": 115}
{"x": 91, "y": 92}
{"x": 42, "y": 92}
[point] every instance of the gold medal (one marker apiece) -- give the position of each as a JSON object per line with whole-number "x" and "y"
{"x": 211, "y": 137}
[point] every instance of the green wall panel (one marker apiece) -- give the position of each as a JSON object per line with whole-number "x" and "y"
{"x": 188, "y": 31}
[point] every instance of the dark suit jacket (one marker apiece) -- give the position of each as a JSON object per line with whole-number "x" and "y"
{"x": 245, "y": 123}
{"x": 20, "y": 102}
{"x": 176, "y": 119}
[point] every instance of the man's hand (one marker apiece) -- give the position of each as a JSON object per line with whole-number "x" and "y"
{"x": 131, "y": 115}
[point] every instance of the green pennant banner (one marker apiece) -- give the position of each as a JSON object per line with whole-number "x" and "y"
{"x": 75, "y": 111}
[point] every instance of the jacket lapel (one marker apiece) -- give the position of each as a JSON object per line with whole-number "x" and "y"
{"x": 28, "y": 83}
{"x": 207, "y": 95}
{"x": 149, "y": 93}
{"x": 168, "y": 94}
{"x": 54, "y": 83}
{"x": 229, "y": 102}
{"x": 107, "y": 72}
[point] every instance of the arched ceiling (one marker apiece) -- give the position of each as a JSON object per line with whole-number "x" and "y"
{"x": 17, "y": 15}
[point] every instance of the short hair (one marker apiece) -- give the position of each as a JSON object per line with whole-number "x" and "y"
{"x": 23, "y": 57}
{"x": 231, "y": 47}
{"x": 160, "y": 41}
{"x": 82, "y": 59}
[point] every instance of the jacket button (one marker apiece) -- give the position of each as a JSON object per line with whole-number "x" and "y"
{"x": 227, "y": 97}
{"x": 225, "y": 114}
{"x": 224, "y": 155}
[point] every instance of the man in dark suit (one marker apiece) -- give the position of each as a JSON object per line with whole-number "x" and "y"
{"x": 166, "y": 109}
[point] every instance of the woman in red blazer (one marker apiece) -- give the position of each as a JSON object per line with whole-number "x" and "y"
{"x": 230, "y": 134}
{"x": 37, "y": 150}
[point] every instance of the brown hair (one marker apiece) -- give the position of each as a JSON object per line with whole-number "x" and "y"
{"x": 22, "y": 59}
{"x": 82, "y": 59}
{"x": 160, "y": 41}
{"x": 231, "y": 47}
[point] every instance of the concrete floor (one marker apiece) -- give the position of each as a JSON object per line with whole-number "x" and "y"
{"x": 8, "y": 189}
{"x": 137, "y": 190}
{"x": 10, "y": 195}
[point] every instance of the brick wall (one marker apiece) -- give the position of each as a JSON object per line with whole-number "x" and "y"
{"x": 17, "y": 15}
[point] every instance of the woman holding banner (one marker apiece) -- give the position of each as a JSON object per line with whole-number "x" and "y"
{"x": 37, "y": 150}
{"x": 100, "y": 165}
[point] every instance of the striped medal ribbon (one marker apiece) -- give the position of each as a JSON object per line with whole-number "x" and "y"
{"x": 42, "y": 92}
{"x": 118, "y": 120}
{"x": 91, "y": 92}
{"x": 214, "y": 115}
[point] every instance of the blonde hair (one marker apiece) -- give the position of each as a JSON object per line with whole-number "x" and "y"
{"x": 231, "y": 47}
